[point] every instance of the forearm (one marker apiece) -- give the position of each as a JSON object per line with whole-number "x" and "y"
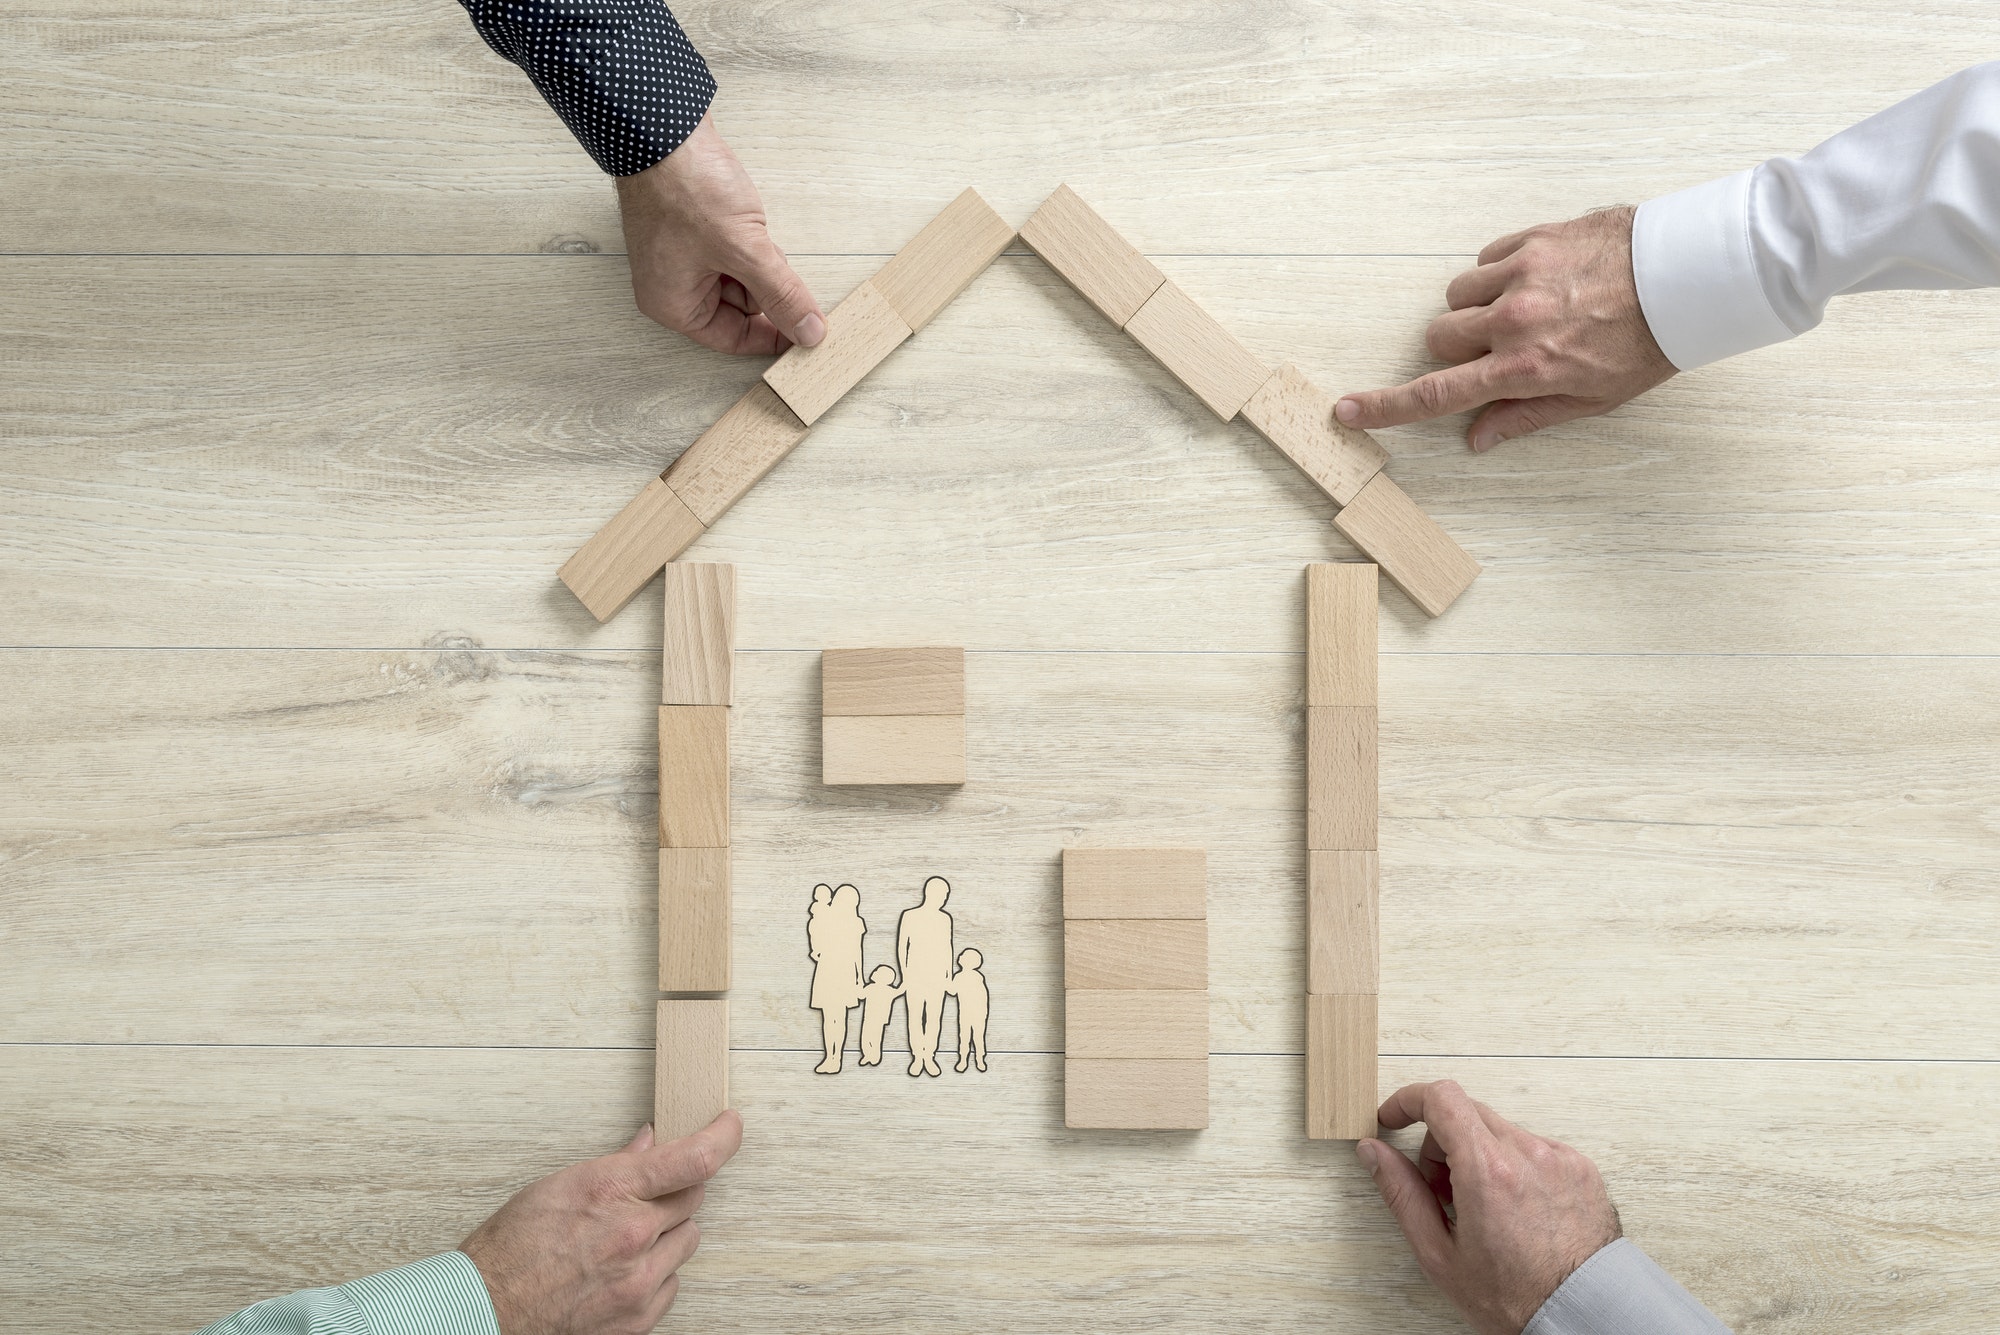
{"x": 439, "y": 1295}
{"x": 1620, "y": 1291}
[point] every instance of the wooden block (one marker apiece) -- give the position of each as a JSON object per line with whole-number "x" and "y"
{"x": 1341, "y": 780}
{"x": 1341, "y": 1097}
{"x": 1135, "y": 883}
{"x": 1135, "y": 1095}
{"x": 1296, "y": 415}
{"x": 940, "y": 260}
{"x": 1409, "y": 546}
{"x": 1122, "y": 1025}
{"x": 1343, "y": 899}
{"x": 1157, "y": 954}
{"x": 734, "y": 454}
{"x": 892, "y": 681}
{"x": 1341, "y": 616}
{"x": 1091, "y": 256}
{"x": 860, "y": 332}
{"x": 694, "y": 776}
{"x": 654, "y": 527}
{"x": 892, "y": 749}
{"x": 699, "y": 646}
{"x": 694, "y": 920}
{"x": 690, "y": 1067}
{"x": 1203, "y": 355}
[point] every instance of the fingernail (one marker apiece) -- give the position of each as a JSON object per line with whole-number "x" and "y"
{"x": 1364, "y": 1150}
{"x": 1347, "y": 410}
{"x": 1485, "y": 440}
{"x": 810, "y": 331}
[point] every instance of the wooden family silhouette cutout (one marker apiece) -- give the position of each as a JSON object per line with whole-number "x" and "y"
{"x": 926, "y": 972}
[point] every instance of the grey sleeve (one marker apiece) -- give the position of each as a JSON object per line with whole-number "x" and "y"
{"x": 1619, "y": 1291}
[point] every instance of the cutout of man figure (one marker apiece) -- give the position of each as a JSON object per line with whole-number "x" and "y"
{"x": 969, "y": 986}
{"x": 924, "y": 954}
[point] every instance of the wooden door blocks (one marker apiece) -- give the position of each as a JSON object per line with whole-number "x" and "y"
{"x": 1135, "y": 988}
{"x": 892, "y": 716}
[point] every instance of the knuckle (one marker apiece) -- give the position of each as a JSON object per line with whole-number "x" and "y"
{"x": 1429, "y": 395}
{"x": 633, "y": 1236}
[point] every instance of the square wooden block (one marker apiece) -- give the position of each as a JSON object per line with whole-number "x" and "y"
{"x": 1117, "y": 1024}
{"x": 694, "y": 920}
{"x": 951, "y": 250}
{"x": 654, "y": 527}
{"x": 1341, "y": 1075}
{"x": 1341, "y": 778}
{"x": 699, "y": 643}
{"x": 1160, "y": 954}
{"x": 1204, "y": 356}
{"x": 694, "y": 776}
{"x": 735, "y": 453}
{"x": 1135, "y": 883}
{"x": 690, "y": 1067}
{"x": 1342, "y": 920}
{"x": 1407, "y": 543}
{"x": 1135, "y": 1095}
{"x": 1296, "y": 415}
{"x": 892, "y": 681}
{"x": 919, "y": 749}
{"x": 1341, "y": 616}
{"x": 860, "y": 332}
{"x": 1091, "y": 256}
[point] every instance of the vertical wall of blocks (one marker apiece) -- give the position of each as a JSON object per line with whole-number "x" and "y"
{"x": 1342, "y": 875}
{"x": 1135, "y": 988}
{"x": 892, "y": 716}
{"x": 691, "y": 1057}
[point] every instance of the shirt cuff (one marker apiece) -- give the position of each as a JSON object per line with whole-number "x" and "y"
{"x": 1619, "y": 1291}
{"x": 439, "y": 1295}
{"x": 1697, "y": 277}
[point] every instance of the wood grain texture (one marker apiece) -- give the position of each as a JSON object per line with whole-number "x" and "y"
{"x": 1155, "y": 954}
{"x": 622, "y": 557}
{"x": 695, "y": 927}
{"x": 699, "y": 640}
{"x": 1121, "y": 1024}
{"x": 949, "y": 252}
{"x": 1413, "y": 550}
{"x": 690, "y": 1066}
{"x": 1137, "y": 1095}
{"x": 694, "y": 776}
{"x": 1202, "y": 355}
{"x": 1134, "y": 883}
{"x": 1343, "y": 921}
{"x": 1091, "y": 256}
{"x": 862, "y": 330}
{"x": 1342, "y": 1084}
{"x": 1342, "y": 777}
{"x": 925, "y": 750}
{"x": 892, "y": 681}
{"x": 749, "y": 439}
{"x": 1296, "y": 415}
{"x": 1342, "y": 614}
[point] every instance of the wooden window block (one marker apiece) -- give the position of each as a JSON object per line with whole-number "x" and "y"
{"x": 1341, "y": 1097}
{"x": 694, "y": 776}
{"x": 892, "y": 681}
{"x": 1203, "y": 355}
{"x": 1341, "y": 779}
{"x": 951, "y": 250}
{"x": 733, "y": 455}
{"x": 1135, "y": 1095}
{"x": 1343, "y": 898}
{"x": 1409, "y": 546}
{"x": 892, "y": 749}
{"x": 1296, "y": 415}
{"x": 1091, "y": 256}
{"x": 1341, "y": 615}
{"x": 1135, "y": 883}
{"x": 860, "y": 332}
{"x": 690, "y": 1067}
{"x": 1156, "y": 954}
{"x": 694, "y": 920}
{"x": 700, "y": 634}
{"x": 654, "y": 527}
{"x": 1121, "y": 1024}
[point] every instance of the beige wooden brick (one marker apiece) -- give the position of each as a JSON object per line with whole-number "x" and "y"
{"x": 1203, "y": 355}
{"x": 1296, "y": 415}
{"x": 690, "y": 1066}
{"x": 951, "y": 250}
{"x": 694, "y": 776}
{"x": 1135, "y": 883}
{"x": 694, "y": 920}
{"x": 1122, "y": 1025}
{"x": 699, "y": 643}
{"x": 1091, "y": 256}
{"x": 1341, "y": 616}
{"x": 920, "y": 749}
{"x": 654, "y": 527}
{"x": 860, "y": 332}
{"x": 1409, "y": 546}
{"x": 1341, "y": 1094}
{"x": 1341, "y": 780}
{"x": 892, "y": 681}
{"x": 735, "y": 453}
{"x": 1157, "y": 954}
{"x": 1135, "y": 1095}
{"x": 1343, "y": 899}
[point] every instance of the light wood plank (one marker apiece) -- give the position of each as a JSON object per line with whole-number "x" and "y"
{"x": 1341, "y": 643}
{"x": 694, "y": 776}
{"x": 1156, "y": 954}
{"x": 622, "y": 557}
{"x": 1135, "y": 1095}
{"x": 1343, "y": 921}
{"x": 1194, "y": 345}
{"x": 862, "y": 330}
{"x": 1116, "y": 1024}
{"x": 690, "y": 1066}
{"x": 892, "y": 681}
{"x": 699, "y": 644}
{"x": 1342, "y": 777}
{"x": 1296, "y": 415}
{"x": 949, "y": 252}
{"x": 1410, "y": 546}
{"x": 750, "y": 438}
{"x": 695, "y": 927}
{"x": 1135, "y": 883}
{"x": 1342, "y": 1087}
{"x": 924, "y": 750}
{"x": 1104, "y": 268}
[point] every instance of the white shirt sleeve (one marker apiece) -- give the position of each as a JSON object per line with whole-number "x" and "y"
{"x": 1909, "y": 198}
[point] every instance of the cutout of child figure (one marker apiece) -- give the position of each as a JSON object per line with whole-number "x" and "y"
{"x": 878, "y": 1001}
{"x": 969, "y": 986}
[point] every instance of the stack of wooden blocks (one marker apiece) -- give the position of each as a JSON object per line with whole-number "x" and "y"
{"x": 892, "y": 716}
{"x": 691, "y": 1069}
{"x": 1342, "y": 871}
{"x": 1135, "y": 988}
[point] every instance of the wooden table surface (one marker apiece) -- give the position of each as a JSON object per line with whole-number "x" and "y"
{"x": 326, "y": 814}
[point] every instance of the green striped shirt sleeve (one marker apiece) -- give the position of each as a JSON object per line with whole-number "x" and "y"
{"x": 439, "y": 1295}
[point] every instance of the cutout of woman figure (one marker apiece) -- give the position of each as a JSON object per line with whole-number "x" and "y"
{"x": 833, "y": 939}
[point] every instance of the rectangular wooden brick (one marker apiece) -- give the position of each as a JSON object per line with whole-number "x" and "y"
{"x": 1341, "y": 617}
{"x": 892, "y": 681}
{"x": 1120, "y": 1024}
{"x": 1297, "y": 416}
{"x": 735, "y": 453}
{"x": 690, "y": 1067}
{"x": 694, "y": 776}
{"x": 1343, "y": 898}
{"x": 1341, "y": 1094}
{"x": 1341, "y": 778}
{"x": 1157, "y": 954}
{"x": 694, "y": 920}
{"x": 1091, "y": 256}
{"x": 860, "y": 332}
{"x": 1409, "y": 546}
{"x": 920, "y": 749}
{"x": 951, "y": 250}
{"x": 1135, "y": 1095}
{"x": 654, "y": 527}
{"x": 1202, "y": 355}
{"x": 1135, "y": 883}
{"x": 699, "y": 644}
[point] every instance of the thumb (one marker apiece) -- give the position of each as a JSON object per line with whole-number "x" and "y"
{"x": 783, "y": 296}
{"x": 1508, "y": 418}
{"x": 641, "y": 1142}
{"x": 1410, "y": 1200}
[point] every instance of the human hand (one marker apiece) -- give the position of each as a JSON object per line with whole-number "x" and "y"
{"x": 593, "y": 1249}
{"x": 1498, "y": 1217}
{"x": 1546, "y": 329}
{"x": 703, "y": 262}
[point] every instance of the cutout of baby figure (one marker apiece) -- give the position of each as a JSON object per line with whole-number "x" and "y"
{"x": 878, "y": 1003}
{"x": 968, "y": 984}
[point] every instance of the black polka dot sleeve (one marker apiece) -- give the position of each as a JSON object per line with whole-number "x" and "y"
{"x": 620, "y": 73}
